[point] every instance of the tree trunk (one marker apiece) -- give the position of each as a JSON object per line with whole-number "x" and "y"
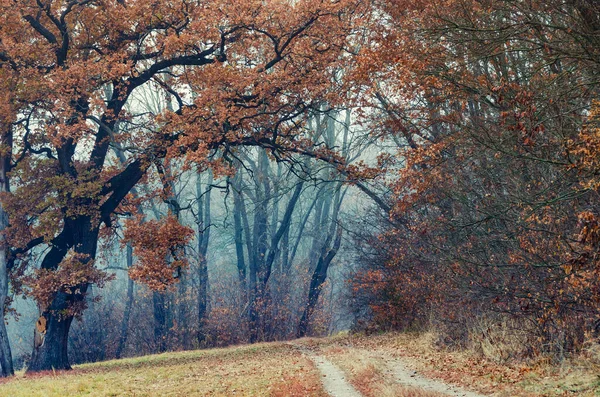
{"x": 285, "y": 252}
{"x": 202, "y": 300}
{"x": 160, "y": 320}
{"x": 52, "y": 332}
{"x": 238, "y": 237}
{"x": 279, "y": 233}
{"x": 51, "y": 336}
{"x": 128, "y": 305}
{"x": 5, "y": 353}
{"x": 204, "y": 220}
{"x": 257, "y": 270}
{"x": 316, "y": 283}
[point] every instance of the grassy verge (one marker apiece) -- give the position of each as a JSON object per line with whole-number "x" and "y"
{"x": 259, "y": 370}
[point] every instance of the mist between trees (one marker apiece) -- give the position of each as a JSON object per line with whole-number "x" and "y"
{"x": 181, "y": 175}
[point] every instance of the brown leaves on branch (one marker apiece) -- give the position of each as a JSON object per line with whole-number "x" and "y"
{"x": 159, "y": 246}
{"x": 233, "y": 72}
{"x": 75, "y": 271}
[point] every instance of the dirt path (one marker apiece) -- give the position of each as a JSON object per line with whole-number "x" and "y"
{"x": 336, "y": 384}
{"x": 406, "y": 377}
{"x": 334, "y": 380}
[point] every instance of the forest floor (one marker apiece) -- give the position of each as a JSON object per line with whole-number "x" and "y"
{"x": 389, "y": 365}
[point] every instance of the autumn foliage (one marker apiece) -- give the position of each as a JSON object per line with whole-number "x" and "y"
{"x": 493, "y": 108}
{"x": 159, "y": 246}
{"x": 73, "y": 271}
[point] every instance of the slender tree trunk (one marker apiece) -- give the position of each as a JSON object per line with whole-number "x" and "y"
{"x": 327, "y": 253}
{"x": 238, "y": 237}
{"x": 302, "y": 226}
{"x": 246, "y": 270}
{"x": 128, "y": 305}
{"x": 285, "y": 252}
{"x": 257, "y": 272}
{"x": 159, "y": 305}
{"x": 202, "y": 300}
{"x": 181, "y": 303}
{"x": 204, "y": 219}
{"x": 316, "y": 285}
{"x": 280, "y": 233}
{"x": 5, "y": 352}
{"x": 159, "y": 302}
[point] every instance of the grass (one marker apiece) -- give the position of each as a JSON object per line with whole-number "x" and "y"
{"x": 271, "y": 369}
{"x": 280, "y": 370}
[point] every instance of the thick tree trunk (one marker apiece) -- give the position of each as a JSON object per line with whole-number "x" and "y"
{"x": 51, "y": 337}
{"x": 5, "y": 352}
{"x": 52, "y": 331}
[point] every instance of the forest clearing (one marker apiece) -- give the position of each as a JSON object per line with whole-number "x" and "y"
{"x": 369, "y": 367}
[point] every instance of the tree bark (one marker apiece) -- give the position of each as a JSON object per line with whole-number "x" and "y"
{"x": 260, "y": 226}
{"x": 280, "y": 232}
{"x": 159, "y": 303}
{"x": 325, "y": 256}
{"x": 238, "y": 235}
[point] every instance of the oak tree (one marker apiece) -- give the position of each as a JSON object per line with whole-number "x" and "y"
{"x": 241, "y": 73}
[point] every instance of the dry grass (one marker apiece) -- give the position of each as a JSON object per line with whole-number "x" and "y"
{"x": 258, "y": 370}
{"x": 500, "y": 341}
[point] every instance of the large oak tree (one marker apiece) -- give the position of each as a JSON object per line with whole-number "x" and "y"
{"x": 241, "y": 73}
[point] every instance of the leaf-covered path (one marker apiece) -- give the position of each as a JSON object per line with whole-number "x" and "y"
{"x": 336, "y": 384}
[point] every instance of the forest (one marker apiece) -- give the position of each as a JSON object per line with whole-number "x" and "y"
{"x": 187, "y": 174}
